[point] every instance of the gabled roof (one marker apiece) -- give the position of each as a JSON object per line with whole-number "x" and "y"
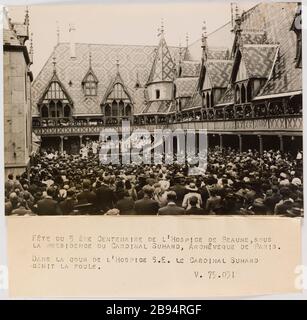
{"x": 276, "y": 19}
{"x": 134, "y": 60}
{"x": 258, "y": 60}
{"x": 90, "y": 72}
{"x": 116, "y": 80}
{"x": 65, "y": 94}
{"x": 163, "y": 65}
{"x": 218, "y": 72}
{"x": 190, "y": 68}
{"x": 185, "y": 87}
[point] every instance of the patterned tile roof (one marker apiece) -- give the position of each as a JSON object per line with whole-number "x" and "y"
{"x": 163, "y": 66}
{"x": 259, "y": 59}
{"x": 228, "y": 96}
{"x": 277, "y": 63}
{"x": 190, "y": 68}
{"x": 157, "y": 107}
{"x": 218, "y": 53}
{"x": 135, "y": 61}
{"x": 194, "y": 102}
{"x": 219, "y": 72}
{"x": 276, "y": 20}
{"x": 185, "y": 87}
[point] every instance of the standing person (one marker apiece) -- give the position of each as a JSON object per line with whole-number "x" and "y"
{"x": 192, "y": 192}
{"x": 9, "y": 184}
{"x": 125, "y": 204}
{"x": 105, "y": 195}
{"x": 48, "y": 206}
{"x": 194, "y": 209}
{"x": 86, "y": 196}
{"x": 147, "y": 206}
{"x": 67, "y": 206}
{"x": 171, "y": 208}
{"x": 84, "y": 152}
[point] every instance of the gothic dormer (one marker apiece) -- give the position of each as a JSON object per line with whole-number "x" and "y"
{"x": 90, "y": 81}
{"x": 55, "y": 102}
{"x": 117, "y": 104}
{"x": 159, "y": 84}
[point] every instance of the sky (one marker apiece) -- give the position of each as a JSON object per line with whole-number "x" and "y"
{"x": 121, "y": 23}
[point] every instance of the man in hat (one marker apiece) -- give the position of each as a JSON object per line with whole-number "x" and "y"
{"x": 192, "y": 191}
{"x": 48, "y": 206}
{"x": 179, "y": 188}
{"x": 67, "y": 206}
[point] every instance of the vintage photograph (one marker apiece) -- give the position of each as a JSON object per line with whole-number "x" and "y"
{"x": 119, "y": 110}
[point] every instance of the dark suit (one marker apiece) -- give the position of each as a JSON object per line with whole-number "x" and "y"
{"x": 105, "y": 197}
{"x": 47, "y": 206}
{"x": 67, "y": 206}
{"x": 180, "y": 193}
{"x": 195, "y": 210}
{"x": 171, "y": 209}
{"x": 125, "y": 206}
{"x": 146, "y": 206}
{"x": 86, "y": 196}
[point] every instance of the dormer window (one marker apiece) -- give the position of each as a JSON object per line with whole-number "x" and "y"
{"x": 90, "y": 85}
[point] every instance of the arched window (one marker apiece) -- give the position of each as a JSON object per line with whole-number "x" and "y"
{"x": 114, "y": 109}
{"x": 128, "y": 110}
{"x": 44, "y": 111}
{"x": 237, "y": 94}
{"x": 249, "y": 92}
{"x": 207, "y": 100}
{"x": 243, "y": 94}
{"x": 107, "y": 111}
{"x": 67, "y": 111}
{"x": 121, "y": 108}
{"x": 90, "y": 85}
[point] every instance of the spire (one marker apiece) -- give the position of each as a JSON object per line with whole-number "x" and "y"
{"x": 117, "y": 66}
{"x": 163, "y": 65}
{"x": 27, "y": 17}
{"x": 57, "y": 32}
{"x": 31, "y": 52}
{"x": 180, "y": 53}
{"x": 204, "y": 43}
{"x": 238, "y": 22}
{"x": 161, "y": 29}
{"x": 90, "y": 56}
{"x": 187, "y": 39}
{"x": 54, "y": 63}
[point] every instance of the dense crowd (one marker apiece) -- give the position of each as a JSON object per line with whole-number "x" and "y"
{"x": 234, "y": 183}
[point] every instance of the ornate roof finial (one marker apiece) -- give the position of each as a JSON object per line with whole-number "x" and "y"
{"x": 187, "y": 39}
{"x": 31, "y": 48}
{"x": 27, "y": 17}
{"x": 90, "y": 55}
{"x": 58, "y": 32}
{"x": 117, "y": 65}
{"x": 237, "y": 11}
{"x": 162, "y": 26}
{"x": 137, "y": 81}
{"x": 180, "y": 53}
{"x": 54, "y": 63}
{"x": 204, "y": 32}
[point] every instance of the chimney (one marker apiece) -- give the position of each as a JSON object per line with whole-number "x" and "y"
{"x": 72, "y": 41}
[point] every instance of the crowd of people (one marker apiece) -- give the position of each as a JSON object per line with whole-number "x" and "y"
{"x": 234, "y": 183}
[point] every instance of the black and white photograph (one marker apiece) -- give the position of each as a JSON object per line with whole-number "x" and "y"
{"x": 205, "y": 121}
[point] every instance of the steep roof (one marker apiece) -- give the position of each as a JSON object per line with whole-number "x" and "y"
{"x": 157, "y": 107}
{"x": 190, "y": 68}
{"x": 163, "y": 66}
{"x": 269, "y": 48}
{"x": 135, "y": 61}
{"x": 219, "y": 72}
{"x": 185, "y": 87}
{"x": 276, "y": 20}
